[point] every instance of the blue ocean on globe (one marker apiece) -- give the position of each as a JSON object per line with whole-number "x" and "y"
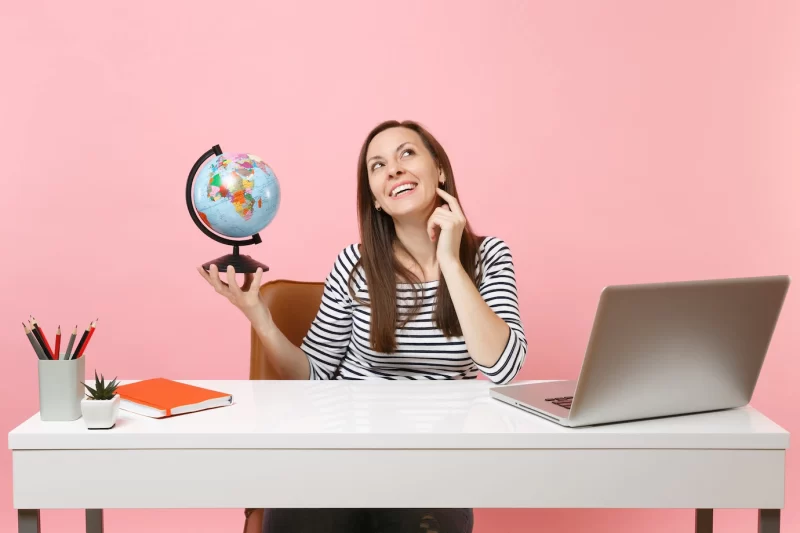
{"x": 236, "y": 194}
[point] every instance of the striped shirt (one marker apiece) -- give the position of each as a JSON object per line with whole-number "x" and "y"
{"x": 337, "y": 343}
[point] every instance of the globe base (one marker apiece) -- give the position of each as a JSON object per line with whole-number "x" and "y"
{"x": 242, "y": 264}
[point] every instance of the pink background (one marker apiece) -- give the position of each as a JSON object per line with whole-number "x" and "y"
{"x": 606, "y": 142}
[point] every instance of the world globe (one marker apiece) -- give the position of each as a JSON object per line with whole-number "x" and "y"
{"x": 232, "y": 195}
{"x": 236, "y": 195}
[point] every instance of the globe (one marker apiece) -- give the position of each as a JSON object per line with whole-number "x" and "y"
{"x": 231, "y": 195}
{"x": 236, "y": 194}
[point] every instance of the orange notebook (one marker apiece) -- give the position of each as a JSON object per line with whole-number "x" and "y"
{"x": 160, "y": 397}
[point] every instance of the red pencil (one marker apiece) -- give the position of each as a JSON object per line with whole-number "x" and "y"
{"x": 92, "y": 327}
{"x": 57, "y": 354}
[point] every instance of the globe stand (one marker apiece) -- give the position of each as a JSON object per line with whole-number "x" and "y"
{"x": 241, "y": 263}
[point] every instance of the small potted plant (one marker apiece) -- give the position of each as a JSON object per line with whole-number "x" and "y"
{"x": 100, "y": 407}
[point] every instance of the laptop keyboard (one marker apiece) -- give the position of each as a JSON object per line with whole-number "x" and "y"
{"x": 562, "y": 401}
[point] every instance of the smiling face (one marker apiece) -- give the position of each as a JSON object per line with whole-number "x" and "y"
{"x": 403, "y": 175}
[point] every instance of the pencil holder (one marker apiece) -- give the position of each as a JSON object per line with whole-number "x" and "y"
{"x": 60, "y": 388}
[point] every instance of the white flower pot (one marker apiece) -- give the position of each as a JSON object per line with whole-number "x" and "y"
{"x": 100, "y": 414}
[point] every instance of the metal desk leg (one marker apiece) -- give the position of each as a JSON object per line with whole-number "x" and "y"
{"x": 94, "y": 521}
{"x": 769, "y": 520}
{"x": 28, "y": 521}
{"x": 703, "y": 520}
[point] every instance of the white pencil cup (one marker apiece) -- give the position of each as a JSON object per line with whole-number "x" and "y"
{"x": 61, "y": 388}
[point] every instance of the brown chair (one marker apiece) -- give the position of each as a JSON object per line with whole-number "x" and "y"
{"x": 293, "y": 305}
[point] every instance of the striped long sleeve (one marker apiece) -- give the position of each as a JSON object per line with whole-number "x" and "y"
{"x": 327, "y": 339}
{"x": 499, "y": 290}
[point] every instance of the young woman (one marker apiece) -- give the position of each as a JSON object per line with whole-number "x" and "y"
{"x": 420, "y": 298}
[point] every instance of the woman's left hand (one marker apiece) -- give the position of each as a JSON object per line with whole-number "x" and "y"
{"x": 451, "y": 222}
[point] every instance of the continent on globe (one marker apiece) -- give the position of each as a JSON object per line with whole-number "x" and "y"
{"x": 236, "y": 194}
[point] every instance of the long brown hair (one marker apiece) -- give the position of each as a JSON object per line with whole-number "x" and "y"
{"x": 382, "y": 267}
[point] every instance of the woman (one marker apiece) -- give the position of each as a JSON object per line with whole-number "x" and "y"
{"x": 379, "y": 316}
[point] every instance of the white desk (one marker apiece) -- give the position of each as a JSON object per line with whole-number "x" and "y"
{"x": 395, "y": 444}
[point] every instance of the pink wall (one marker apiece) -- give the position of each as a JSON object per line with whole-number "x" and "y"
{"x": 610, "y": 142}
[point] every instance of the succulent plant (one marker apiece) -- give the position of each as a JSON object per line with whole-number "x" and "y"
{"x": 102, "y": 391}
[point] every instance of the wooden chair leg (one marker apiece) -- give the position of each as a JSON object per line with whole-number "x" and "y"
{"x": 253, "y": 521}
{"x": 703, "y": 520}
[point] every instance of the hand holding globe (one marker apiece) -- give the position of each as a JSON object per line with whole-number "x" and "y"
{"x": 247, "y": 298}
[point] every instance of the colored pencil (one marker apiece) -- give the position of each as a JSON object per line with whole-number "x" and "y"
{"x": 71, "y": 341}
{"x": 57, "y": 353}
{"x": 38, "y": 335}
{"x": 80, "y": 342}
{"x": 36, "y": 347}
{"x": 42, "y": 338}
{"x": 92, "y": 327}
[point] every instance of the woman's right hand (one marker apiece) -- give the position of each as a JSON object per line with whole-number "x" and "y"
{"x": 247, "y": 298}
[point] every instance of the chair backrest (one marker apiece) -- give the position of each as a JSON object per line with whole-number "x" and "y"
{"x": 293, "y": 305}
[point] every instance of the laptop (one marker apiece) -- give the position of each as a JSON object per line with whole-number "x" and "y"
{"x": 663, "y": 349}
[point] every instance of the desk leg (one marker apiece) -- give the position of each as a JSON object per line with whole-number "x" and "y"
{"x": 769, "y": 520}
{"x": 28, "y": 521}
{"x": 94, "y": 521}
{"x": 703, "y": 520}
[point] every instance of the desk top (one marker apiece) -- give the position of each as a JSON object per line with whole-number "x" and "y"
{"x": 389, "y": 414}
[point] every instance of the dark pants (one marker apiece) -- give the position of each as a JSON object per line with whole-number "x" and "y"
{"x": 368, "y": 521}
